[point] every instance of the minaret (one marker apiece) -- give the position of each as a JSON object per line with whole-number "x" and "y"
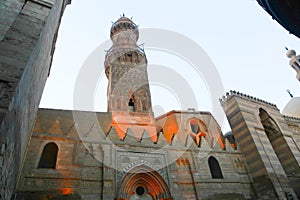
{"x": 294, "y": 62}
{"x": 128, "y": 92}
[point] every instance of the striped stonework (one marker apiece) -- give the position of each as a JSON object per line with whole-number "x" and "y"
{"x": 261, "y": 134}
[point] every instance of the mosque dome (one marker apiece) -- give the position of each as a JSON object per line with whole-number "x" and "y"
{"x": 292, "y": 108}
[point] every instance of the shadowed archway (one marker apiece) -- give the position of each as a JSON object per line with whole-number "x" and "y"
{"x": 282, "y": 146}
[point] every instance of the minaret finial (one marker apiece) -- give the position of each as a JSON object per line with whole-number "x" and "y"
{"x": 289, "y": 92}
{"x": 291, "y": 53}
{"x": 294, "y": 62}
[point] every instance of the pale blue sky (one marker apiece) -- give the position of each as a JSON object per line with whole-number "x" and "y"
{"x": 245, "y": 44}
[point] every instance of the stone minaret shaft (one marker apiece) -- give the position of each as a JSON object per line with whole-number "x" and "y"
{"x": 126, "y": 70}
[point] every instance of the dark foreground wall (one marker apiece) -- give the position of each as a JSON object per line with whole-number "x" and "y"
{"x": 28, "y": 31}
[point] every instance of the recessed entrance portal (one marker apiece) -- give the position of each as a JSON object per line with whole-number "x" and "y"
{"x": 141, "y": 194}
{"x": 142, "y": 182}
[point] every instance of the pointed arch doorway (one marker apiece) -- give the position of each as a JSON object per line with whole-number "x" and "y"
{"x": 142, "y": 182}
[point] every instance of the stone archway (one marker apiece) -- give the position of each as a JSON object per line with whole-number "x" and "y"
{"x": 142, "y": 182}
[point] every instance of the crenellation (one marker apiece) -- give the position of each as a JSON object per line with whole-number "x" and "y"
{"x": 245, "y": 96}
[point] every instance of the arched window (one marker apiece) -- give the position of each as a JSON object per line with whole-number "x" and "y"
{"x": 194, "y": 126}
{"x": 197, "y": 125}
{"x": 49, "y": 156}
{"x": 214, "y": 167}
{"x": 131, "y": 105}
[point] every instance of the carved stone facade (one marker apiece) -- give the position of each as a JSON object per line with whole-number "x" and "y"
{"x": 94, "y": 163}
{"x": 126, "y": 153}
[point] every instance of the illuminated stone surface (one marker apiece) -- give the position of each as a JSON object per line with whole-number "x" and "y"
{"x": 126, "y": 153}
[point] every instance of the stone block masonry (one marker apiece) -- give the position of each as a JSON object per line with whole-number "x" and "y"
{"x": 28, "y": 31}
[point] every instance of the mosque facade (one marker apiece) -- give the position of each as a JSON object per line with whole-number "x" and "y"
{"x": 127, "y": 153}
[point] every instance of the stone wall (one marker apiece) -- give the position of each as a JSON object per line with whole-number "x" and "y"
{"x": 78, "y": 173}
{"x": 28, "y": 31}
{"x": 269, "y": 145}
{"x": 293, "y": 127}
{"x": 93, "y": 161}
